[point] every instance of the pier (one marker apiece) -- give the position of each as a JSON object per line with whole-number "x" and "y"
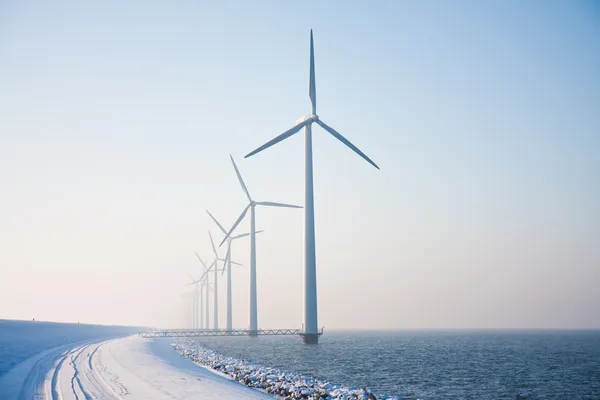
{"x": 187, "y": 333}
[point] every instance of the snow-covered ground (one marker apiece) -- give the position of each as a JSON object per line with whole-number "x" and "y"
{"x": 127, "y": 368}
{"x": 20, "y": 340}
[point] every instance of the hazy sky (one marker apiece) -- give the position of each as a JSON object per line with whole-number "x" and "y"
{"x": 117, "y": 118}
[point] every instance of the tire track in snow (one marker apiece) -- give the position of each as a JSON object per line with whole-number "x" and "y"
{"x": 46, "y": 376}
{"x": 34, "y": 384}
{"x": 56, "y": 394}
{"x": 86, "y": 382}
{"x": 75, "y": 377}
{"x": 97, "y": 387}
{"x": 90, "y": 356}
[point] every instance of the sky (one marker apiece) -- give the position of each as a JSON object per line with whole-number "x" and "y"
{"x": 117, "y": 120}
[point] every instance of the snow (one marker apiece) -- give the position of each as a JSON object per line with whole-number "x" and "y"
{"x": 20, "y": 340}
{"x": 127, "y": 368}
{"x": 85, "y": 362}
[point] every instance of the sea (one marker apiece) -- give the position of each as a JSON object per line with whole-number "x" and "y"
{"x": 433, "y": 365}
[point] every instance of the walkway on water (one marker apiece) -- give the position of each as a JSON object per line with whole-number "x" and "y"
{"x": 224, "y": 332}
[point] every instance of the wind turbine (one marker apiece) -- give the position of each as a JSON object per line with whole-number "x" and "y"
{"x": 203, "y": 280}
{"x": 216, "y": 286}
{"x": 195, "y": 297}
{"x": 228, "y": 267}
{"x": 252, "y": 207}
{"x": 311, "y": 333}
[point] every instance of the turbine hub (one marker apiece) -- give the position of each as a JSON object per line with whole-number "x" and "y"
{"x": 312, "y": 117}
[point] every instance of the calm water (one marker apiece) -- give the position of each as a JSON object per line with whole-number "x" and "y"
{"x": 439, "y": 365}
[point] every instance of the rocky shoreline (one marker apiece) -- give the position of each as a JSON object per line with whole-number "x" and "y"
{"x": 288, "y": 385}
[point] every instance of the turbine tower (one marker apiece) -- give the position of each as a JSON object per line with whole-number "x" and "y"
{"x": 195, "y": 298}
{"x": 203, "y": 280}
{"x": 216, "y": 286}
{"x": 252, "y": 206}
{"x": 311, "y": 330}
{"x": 228, "y": 268}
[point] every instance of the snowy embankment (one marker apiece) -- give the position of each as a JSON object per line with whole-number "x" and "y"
{"x": 20, "y": 340}
{"x": 131, "y": 368}
{"x": 272, "y": 380}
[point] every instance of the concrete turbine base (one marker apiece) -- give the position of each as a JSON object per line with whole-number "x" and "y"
{"x": 310, "y": 338}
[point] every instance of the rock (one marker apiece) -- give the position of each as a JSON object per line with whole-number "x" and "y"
{"x": 285, "y": 384}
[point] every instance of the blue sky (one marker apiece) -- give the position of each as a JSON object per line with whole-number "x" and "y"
{"x": 117, "y": 121}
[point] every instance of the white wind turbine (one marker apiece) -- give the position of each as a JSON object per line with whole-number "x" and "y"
{"x": 216, "y": 286}
{"x": 204, "y": 285}
{"x": 310, "y": 265}
{"x": 196, "y": 295}
{"x": 204, "y": 282}
{"x": 252, "y": 207}
{"x": 228, "y": 267}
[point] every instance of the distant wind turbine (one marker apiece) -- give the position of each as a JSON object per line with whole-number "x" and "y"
{"x": 216, "y": 286}
{"x": 310, "y": 264}
{"x": 204, "y": 279}
{"x": 204, "y": 282}
{"x": 228, "y": 268}
{"x": 252, "y": 206}
{"x": 196, "y": 296}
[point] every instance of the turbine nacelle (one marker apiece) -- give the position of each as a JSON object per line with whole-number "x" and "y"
{"x": 251, "y": 203}
{"x": 311, "y": 117}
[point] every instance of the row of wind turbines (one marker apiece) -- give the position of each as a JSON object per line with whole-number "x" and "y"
{"x": 202, "y": 286}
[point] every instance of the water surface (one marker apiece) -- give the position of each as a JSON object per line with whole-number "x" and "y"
{"x": 438, "y": 365}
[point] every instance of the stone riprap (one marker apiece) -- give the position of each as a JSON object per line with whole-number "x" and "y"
{"x": 289, "y": 385}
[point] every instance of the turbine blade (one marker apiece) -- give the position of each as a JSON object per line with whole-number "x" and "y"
{"x": 205, "y": 275}
{"x": 241, "y": 217}
{"x": 237, "y": 172}
{"x": 212, "y": 243}
{"x": 342, "y": 139}
{"x": 194, "y": 281}
{"x": 217, "y": 222}
{"x": 191, "y": 277}
{"x": 273, "y": 204}
{"x": 236, "y": 263}
{"x": 200, "y": 260}
{"x": 245, "y": 234}
{"x": 281, "y": 137}
{"x": 312, "y": 90}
